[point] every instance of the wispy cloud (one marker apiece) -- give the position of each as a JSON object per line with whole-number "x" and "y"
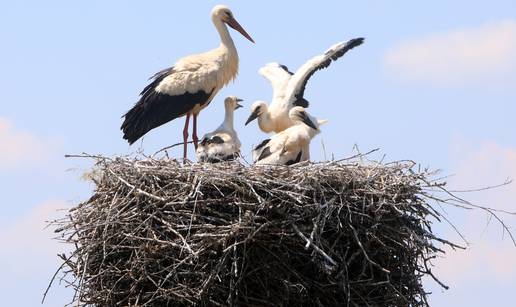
{"x": 29, "y": 238}
{"x": 485, "y": 164}
{"x": 491, "y": 256}
{"x": 20, "y": 148}
{"x": 28, "y": 257}
{"x": 483, "y": 54}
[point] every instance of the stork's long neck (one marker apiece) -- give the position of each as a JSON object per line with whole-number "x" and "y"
{"x": 265, "y": 121}
{"x": 310, "y": 131}
{"x": 228, "y": 53}
{"x": 228, "y": 119}
{"x": 225, "y": 39}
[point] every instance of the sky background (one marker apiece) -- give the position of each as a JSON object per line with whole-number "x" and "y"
{"x": 434, "y": 82}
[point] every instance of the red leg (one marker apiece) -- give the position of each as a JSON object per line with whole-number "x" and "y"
{"x": 185, "y": 137}
{"x": 194, "y": 135}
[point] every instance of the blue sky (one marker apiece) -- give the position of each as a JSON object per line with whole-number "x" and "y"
{"x": 435, "y": 82}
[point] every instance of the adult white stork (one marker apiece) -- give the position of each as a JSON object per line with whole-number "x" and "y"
{"x": 289, "y": 88}
{"x": 222, "y": 144}
{"x": 187, "y": 87}
{"x": 291, "y": 145}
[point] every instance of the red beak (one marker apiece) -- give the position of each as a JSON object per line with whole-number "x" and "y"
{"x": 235, "y": 25}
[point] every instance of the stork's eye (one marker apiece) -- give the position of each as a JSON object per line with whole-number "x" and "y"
{"x": 228, "y": 15}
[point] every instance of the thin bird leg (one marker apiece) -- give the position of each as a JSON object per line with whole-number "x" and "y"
{"x": 185, "y": 136}
{"x": 194, "y": 135}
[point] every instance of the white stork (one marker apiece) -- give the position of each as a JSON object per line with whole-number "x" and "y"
{"x": 289, "y": 88}
{"x": 222, "y": 144}
{"x": 187, "y": 87}
{"x": 291, "y": 145}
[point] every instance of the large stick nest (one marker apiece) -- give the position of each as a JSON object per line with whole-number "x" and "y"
{"x": 159, "y": 233}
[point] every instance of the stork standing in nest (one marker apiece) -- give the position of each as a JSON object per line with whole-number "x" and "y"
{"x": 289, "y": 88}
{"x": 223, "y": 143}
{"x": 291, "y": 145}
{"x": 187, "y": 87}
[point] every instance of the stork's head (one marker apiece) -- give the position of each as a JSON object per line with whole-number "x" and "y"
{"x": 300, "y": 115}
{"x": 224, "y": 14}
{"x": 257, "y": 109}
{"x": 232, "y": 103}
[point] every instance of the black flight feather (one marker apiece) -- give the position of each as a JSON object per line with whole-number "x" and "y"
{"x": 265, "y": 153}
{"x": 155, "y": 109}
{"x": 285, "y": 68}
{"x": 212, "y": 140}
{"x": 296, "y": 160}
{"x": 219, "y": 158}
{"x": 333, "y": 57}
{"x": 263, "y": 143}
{"x": 301, "y": 102}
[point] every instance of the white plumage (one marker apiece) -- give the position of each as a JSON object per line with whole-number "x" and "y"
{"x": 291, "y": 145}
{"x": 288, "y": 88}
{"x": 187, "y": 87}
{"x": 222, "y": 144}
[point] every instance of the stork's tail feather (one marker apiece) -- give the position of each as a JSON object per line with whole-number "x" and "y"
{"x": 130, "y": 127}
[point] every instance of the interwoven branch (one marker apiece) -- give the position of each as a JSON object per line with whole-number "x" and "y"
{"x": 158, "y": 233}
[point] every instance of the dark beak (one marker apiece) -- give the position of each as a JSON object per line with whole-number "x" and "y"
{"x": 238, "y": 106}
{"x": 307, "y": 121}
{"x": 235, "y": 25}
{"x": 253, "y": 116}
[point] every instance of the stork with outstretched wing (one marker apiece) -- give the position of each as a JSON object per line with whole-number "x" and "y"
{"x": 289, "y": 88}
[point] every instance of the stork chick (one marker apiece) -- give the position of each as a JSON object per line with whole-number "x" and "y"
{"x": 223, "y": 143}
{"x": 288, "y": 88}
{"x": 291, "y": 145}
{"x": 187, "y": 87}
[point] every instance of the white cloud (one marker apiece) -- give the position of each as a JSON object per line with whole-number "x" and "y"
{"x": 20, "y": 148}
{"x": 28, "y": 238}
{"x": 485, "y": 260}
{"x": 28, "y": 258}
{"x": 464, "y": 56}
{"x": 483, "y": 165}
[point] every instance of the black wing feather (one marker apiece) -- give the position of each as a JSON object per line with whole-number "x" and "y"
{"x": 263, "y": 143}
{"x": 215, "y": 139}
{"x": 296, "y": 160}
{"x": 155, "y": 109}
{"x": 301, "y": 102}
{"x": 265, "y": 153}
{"x": 156, "y": 79}
{"x": 219, "y": 158}
{"x": 285, "y": 68}
{"x": 348, "y": 46}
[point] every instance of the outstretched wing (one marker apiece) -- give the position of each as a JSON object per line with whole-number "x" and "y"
{"x": 278, "y": 75}
{"x": 297, "y": 84}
